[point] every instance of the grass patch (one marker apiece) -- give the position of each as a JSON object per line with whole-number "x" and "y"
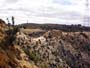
{"x": 32, "y": 55}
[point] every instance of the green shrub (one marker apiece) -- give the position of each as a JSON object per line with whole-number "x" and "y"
{"x": 32, "y": 55}
{"x": 44, "y": 65}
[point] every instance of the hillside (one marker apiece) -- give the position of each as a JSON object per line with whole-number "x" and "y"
{"x": 57, "y": 49}
{"x": 11, "y": 55}
{"x": 38, "y": 48}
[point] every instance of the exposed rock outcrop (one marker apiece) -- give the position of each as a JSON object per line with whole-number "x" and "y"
{"x": 51, "y": 49}
{"x": 60, "y": 50}
{"x": 11, "y": 55}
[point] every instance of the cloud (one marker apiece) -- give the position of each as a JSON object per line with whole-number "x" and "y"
{"x": 44, "y": 11}
{"x": 10, "y": 1}
{"x": 63, "y": 2}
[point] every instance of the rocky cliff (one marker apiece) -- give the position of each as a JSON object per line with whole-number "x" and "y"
{"x": 49, "y": 49}
{"x": 12, "y": 55}
{"x": 57, "y": 49}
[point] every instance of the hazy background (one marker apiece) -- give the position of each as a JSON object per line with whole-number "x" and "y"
{"x": 44, "y": 11}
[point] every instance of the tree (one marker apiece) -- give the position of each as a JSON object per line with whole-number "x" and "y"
{"x": 13, "y": 22}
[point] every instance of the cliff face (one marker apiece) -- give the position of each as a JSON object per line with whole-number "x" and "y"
{"x": 57, "y": 49}
{"x": 50, "y": 49}
{"x": 11, "y": 55}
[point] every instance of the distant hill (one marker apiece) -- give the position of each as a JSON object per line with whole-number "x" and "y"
{"x": 62, "y": 27}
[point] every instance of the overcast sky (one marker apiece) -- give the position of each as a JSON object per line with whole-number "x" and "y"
{"x": 43, "y": 11}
